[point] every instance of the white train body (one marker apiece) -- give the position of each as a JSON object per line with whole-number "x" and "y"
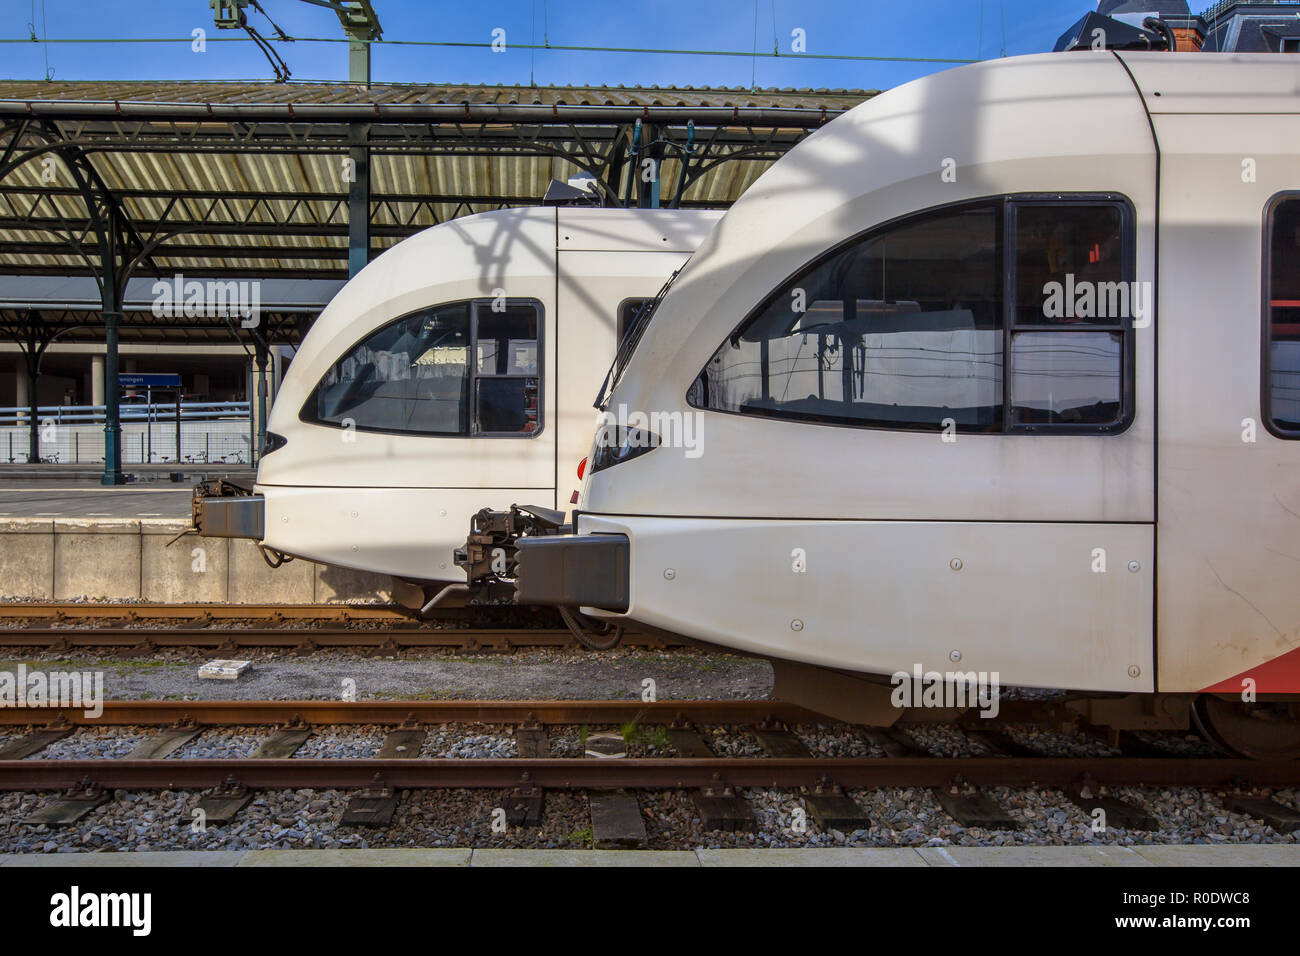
{"x": 386, "y": 478}
{"x": 1119, "y": 512}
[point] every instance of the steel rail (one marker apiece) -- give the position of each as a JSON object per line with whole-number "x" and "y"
{"x": 71, "y": 610}
{"x": 473, "y": 638}
{"x": 228, "y": 713}
{"x": 638, "y": 773}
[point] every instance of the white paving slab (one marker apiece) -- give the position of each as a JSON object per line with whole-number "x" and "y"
{"x": 817, "y": 856}
{"x": 1212, "y": 854}
{"x": 131, "y": 859}
{"x": 369, "y": 857}
{"x": 584, "y": 858}
{"x": 1031, "y": 856}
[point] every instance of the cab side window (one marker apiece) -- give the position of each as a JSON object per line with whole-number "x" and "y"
{"x": 1073, "y": 303}
{"x": 506, "y": 370}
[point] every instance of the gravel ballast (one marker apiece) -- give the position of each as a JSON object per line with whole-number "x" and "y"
{"x": 899, "y": 817}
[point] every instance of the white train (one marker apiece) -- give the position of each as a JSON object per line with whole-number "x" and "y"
{"x": 456, "y": 371}
{"x": 999, "y": 373}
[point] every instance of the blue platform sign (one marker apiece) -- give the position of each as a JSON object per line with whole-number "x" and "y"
{"x": 148, "y": 380}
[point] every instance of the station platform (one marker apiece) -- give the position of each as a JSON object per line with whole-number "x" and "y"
{"x": 83, "y": 499}
{"x": 95, "y": 558}
{"x": 89, "y": 474}
{"x": 67, "y": 542}
{"x": 1251, "y": 855}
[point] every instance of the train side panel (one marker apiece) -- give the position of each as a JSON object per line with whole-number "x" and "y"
{"x": 1229, "y": 490}
{"x": 1017, "y": 601}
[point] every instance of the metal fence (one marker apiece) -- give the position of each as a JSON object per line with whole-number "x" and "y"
{"x": 209, "y": 432}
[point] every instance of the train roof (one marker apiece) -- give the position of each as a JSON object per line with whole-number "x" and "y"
{"x": 1216, "y": 82}
{"x": 1079, "y": 122}
{"x": 490, "y": 249}
{"x": 1014, "y": 110}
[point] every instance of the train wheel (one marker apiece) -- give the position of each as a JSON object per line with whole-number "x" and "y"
{"x": 590, "y": 633}
{"x": 1260, "y": 731}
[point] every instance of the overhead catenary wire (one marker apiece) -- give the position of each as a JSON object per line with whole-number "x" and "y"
{"x": 463, "y": 44}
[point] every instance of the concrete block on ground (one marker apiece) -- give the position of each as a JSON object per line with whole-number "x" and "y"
{"x": 27, "y": 558}
{"x": 97, "y": 558}
{"x": 338, "y": 585}
{"x": 253, "y": 581}
{"x": 192, "y": 570}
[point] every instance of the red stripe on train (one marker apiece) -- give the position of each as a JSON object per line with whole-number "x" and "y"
{"x": 1281, "y": 675}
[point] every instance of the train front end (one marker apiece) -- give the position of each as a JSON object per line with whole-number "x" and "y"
{"x": 842, "y": 444}
{"x": 372, "y": 461}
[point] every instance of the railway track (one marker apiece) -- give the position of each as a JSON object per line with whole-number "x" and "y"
{"x": 270, "y": 713}
{"x": 76, "y": 611}
{"x": 304, "y": 640}
{"x": 142, "y": 628}
{"x": 714, "y": 777}
{"x": 642, "y": 773}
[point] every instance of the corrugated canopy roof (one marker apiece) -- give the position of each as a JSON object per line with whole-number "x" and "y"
{"x": 406, "y": 93}
{"x": 252, "y": 179}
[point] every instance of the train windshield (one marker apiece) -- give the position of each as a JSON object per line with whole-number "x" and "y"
{"x": 467, "y": 368}
{"x": 954, "y": 319}
{"x": 903, "y": 329}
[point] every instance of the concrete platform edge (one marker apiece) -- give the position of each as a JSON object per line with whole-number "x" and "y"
{"x": 126, "y": 560}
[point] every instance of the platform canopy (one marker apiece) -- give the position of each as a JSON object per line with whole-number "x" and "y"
{"x": 127, "y": 181}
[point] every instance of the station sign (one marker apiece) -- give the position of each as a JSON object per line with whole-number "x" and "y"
{"x": 148, "y": 380}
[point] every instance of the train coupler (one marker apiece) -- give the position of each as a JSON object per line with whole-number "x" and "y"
{"x": 490, "y": 555}
{"x": 227, "y": 508}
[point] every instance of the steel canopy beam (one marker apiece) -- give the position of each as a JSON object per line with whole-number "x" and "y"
{"x": 406, "y": 113}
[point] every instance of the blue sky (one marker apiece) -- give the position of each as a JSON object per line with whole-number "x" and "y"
{"x": 908, "y": 28}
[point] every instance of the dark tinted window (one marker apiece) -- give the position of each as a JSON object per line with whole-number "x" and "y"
{"x": 1282, "y": 305}
{"x": 416, "y": 375}
{"x": 503, "y": 405}
{"x": 900, "y": 329}
{"x": 1069, "y": 265}
{"x": 627, "y": 312}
